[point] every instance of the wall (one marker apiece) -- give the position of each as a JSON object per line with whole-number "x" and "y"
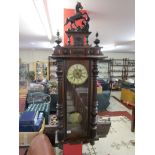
{"x": 121, "y": 55}
{"x": 29, "y": 56}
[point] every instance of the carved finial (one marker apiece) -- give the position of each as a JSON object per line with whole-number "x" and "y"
{"x": 97, "y": 41}
{"x": 58, "y": 33}
{"x": 58, "y": 40}
{"x": 96, "y": 34}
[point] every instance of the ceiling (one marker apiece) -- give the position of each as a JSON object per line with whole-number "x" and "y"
{"x": 114, "y": 20}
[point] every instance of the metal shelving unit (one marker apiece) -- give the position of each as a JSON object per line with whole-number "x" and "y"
{"x": 120, "y": 70}
{"x": 104, "y": 69}
{"x": 40, "y": 70}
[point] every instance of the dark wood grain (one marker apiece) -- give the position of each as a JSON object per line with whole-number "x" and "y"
{"x": 85, "y": 104}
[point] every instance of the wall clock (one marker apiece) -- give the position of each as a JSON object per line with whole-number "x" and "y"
{"x": 77, "y": 74}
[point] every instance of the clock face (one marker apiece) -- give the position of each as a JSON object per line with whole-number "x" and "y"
{"x": 77, "y": 74}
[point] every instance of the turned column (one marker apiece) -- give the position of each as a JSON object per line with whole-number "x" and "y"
{"x": 93, "y": 123}
{"x": 60, "y": 105}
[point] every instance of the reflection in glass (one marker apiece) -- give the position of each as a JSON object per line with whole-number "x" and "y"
{"x": 77, "y": 111}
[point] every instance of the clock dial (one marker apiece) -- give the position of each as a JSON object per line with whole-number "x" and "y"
{"x": 77, "y": 74}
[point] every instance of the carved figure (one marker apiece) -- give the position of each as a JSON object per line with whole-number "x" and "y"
{"x": 85, "y": 23}
{"x": 79, "y": 15}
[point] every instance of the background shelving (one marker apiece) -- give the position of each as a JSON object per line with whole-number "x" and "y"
{"x": 104, "y": 69}
{"x": 23, "y": 73}
{"x": 40, "y": 70}
{"x": 122, "y": 68}
{"x": 51, "y": 69}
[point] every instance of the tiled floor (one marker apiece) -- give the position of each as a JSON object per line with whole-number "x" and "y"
{"x": 116, "y": 94}
{"x": 116, "y": 106}
{"x": 120, "y": 140}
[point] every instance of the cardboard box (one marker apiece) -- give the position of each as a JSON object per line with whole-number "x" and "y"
{"x": 25, "y": 138}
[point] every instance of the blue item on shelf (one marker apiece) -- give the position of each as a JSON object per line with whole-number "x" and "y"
{"x": 26, "y": 128}
{"x": 41, "y": 108}
{"x": 103, "y": 100}
{"x": 38, "y": 124}
{"x": 33, "y": 127}
{"x": 105, "y": 85}
{"x": 41, "y": 115}
{"x": 27, "y": 118}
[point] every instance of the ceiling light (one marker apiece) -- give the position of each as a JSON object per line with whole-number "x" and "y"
{"x": 45, "y": 44}
{"x": 56, "y": 11}
{"x": 29, "y": 22}
{"x": 108, "y": 47}
{"x": 32, "y": 43}
{"x": 42, "y": 12}
{"x": 133, "y": 38}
